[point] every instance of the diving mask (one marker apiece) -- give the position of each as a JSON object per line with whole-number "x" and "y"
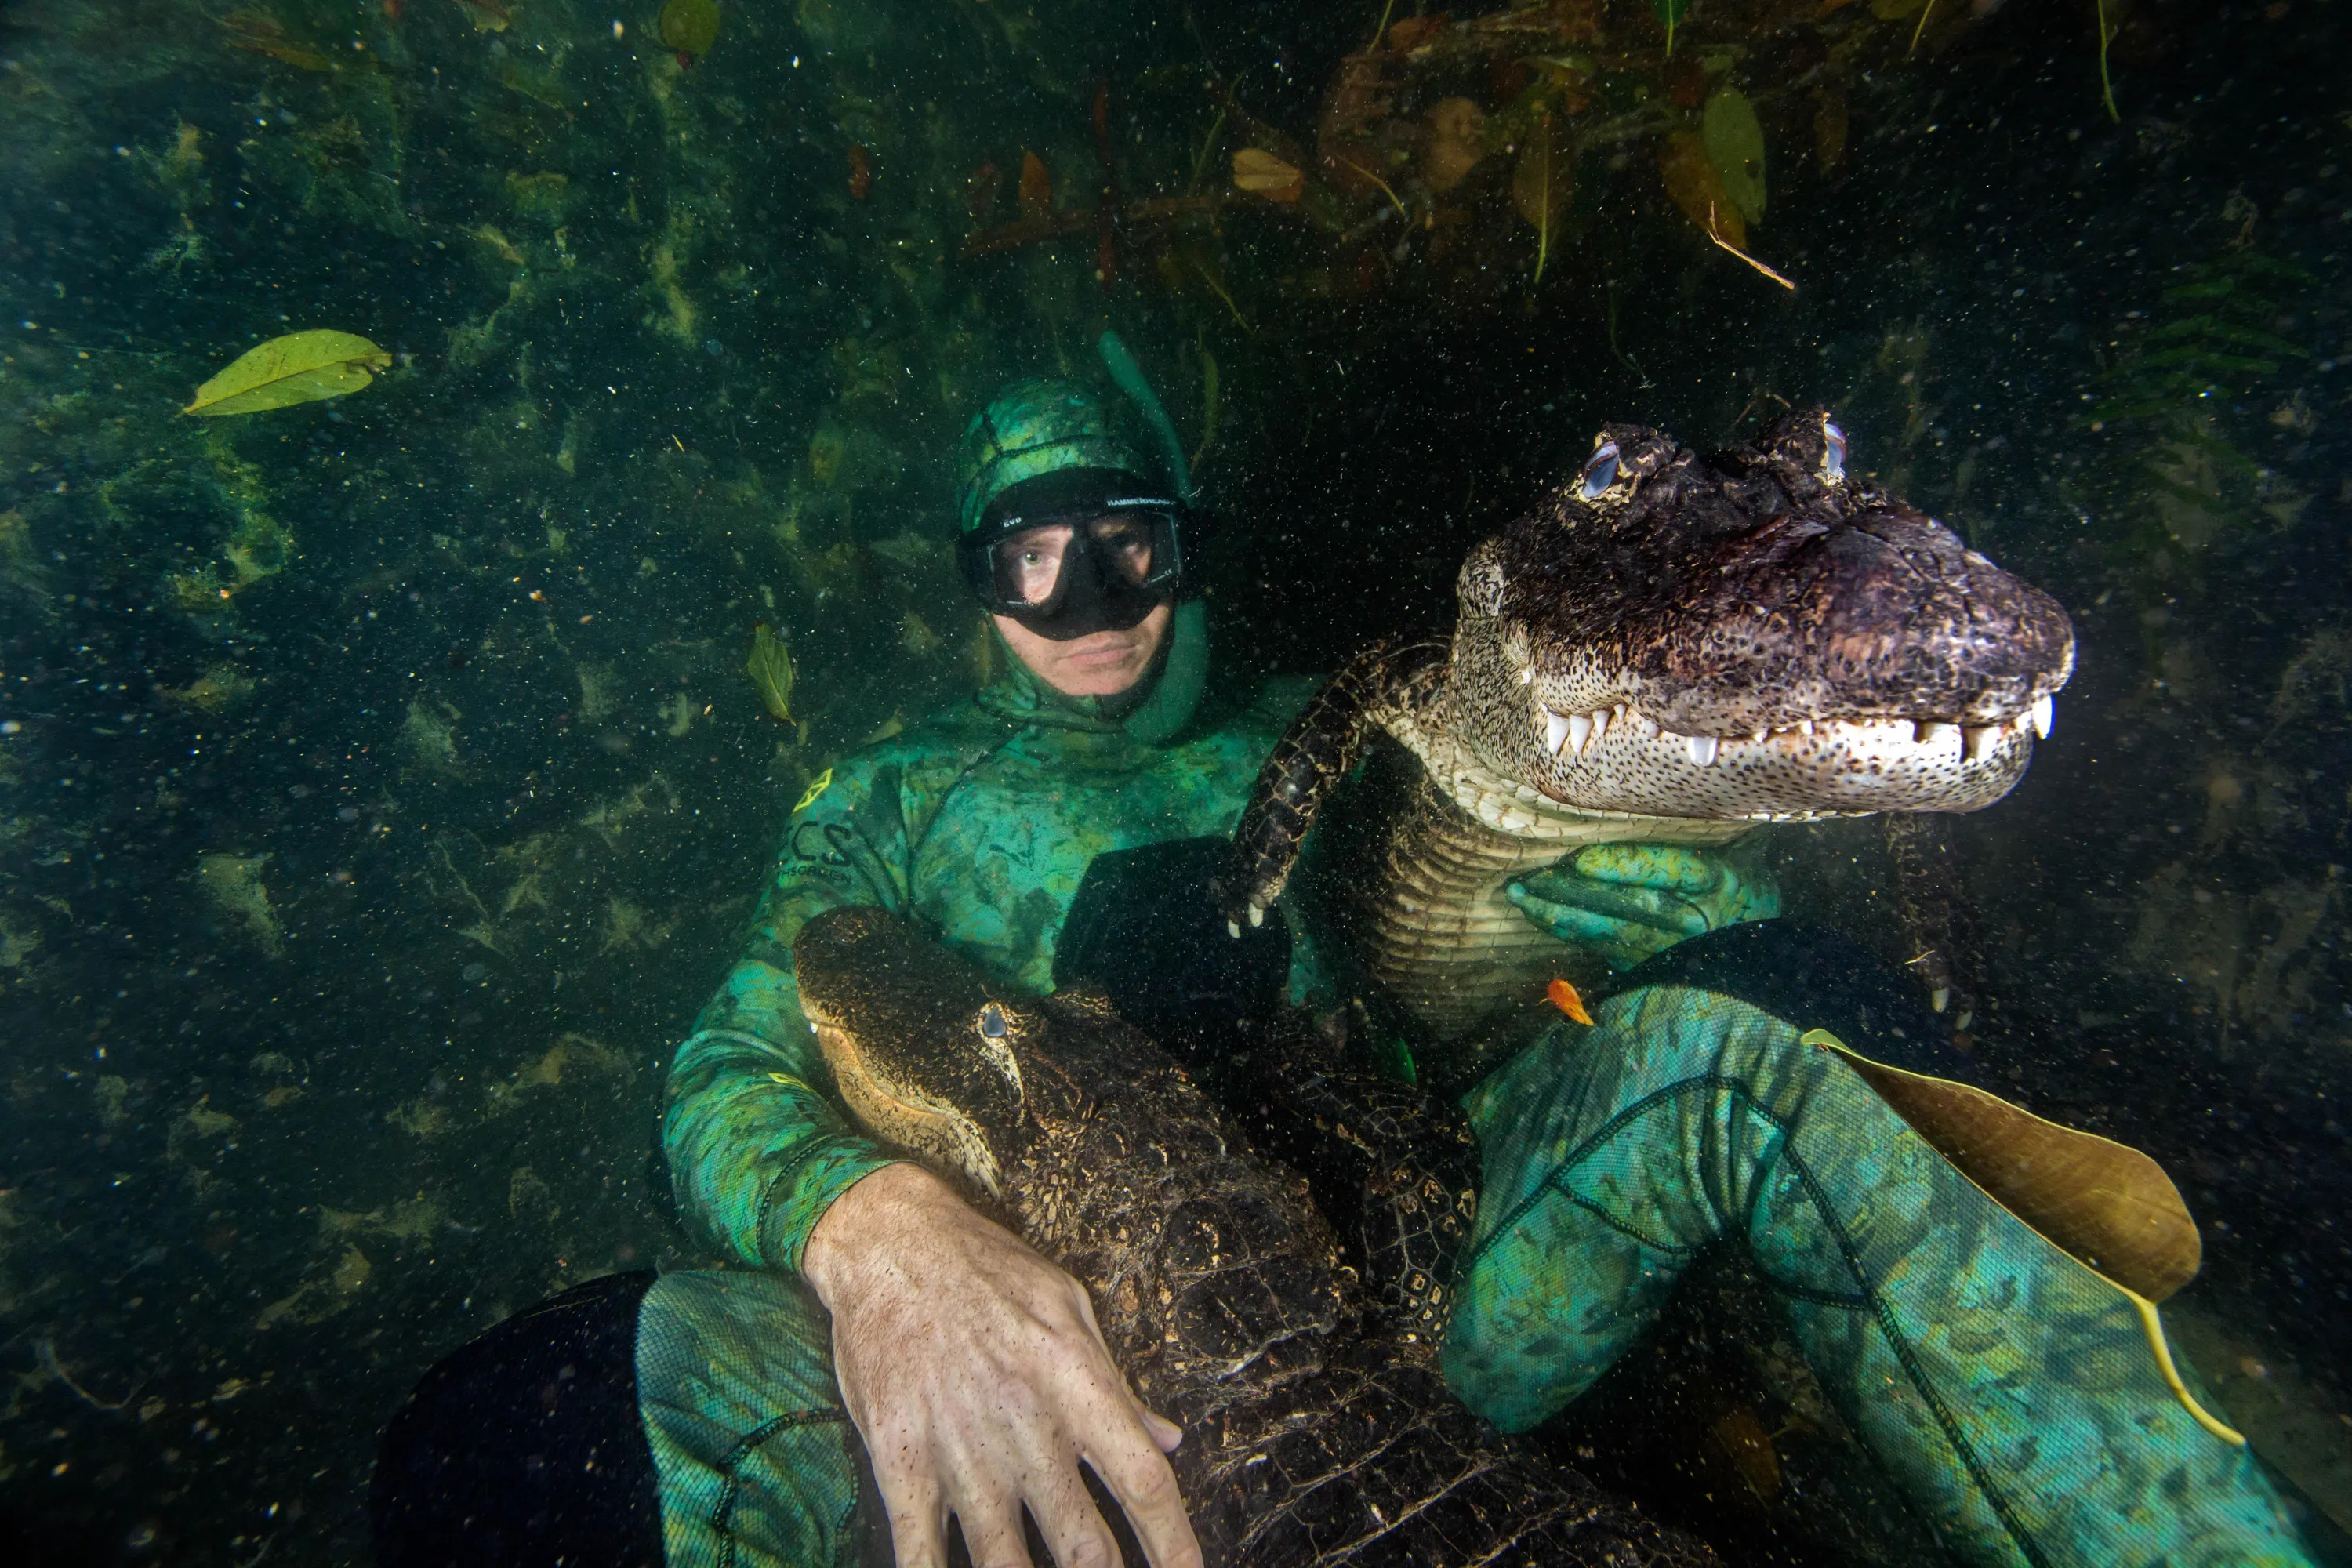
{"x": 1075, "y": 553}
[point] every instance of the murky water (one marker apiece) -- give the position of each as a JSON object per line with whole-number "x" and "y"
{"x": 381, "y": 790}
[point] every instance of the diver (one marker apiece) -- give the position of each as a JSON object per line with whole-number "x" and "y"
{"x": 716, "y": 1416}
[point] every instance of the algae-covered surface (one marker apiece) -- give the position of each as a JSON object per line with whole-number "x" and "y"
{"x": 381, "y": 787}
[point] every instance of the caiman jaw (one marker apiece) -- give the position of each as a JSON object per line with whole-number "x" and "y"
{"x": 1567, "y": 735}
{"x": 1588, "y": 757}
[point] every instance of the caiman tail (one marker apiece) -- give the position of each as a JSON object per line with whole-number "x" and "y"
{"x": 1316, "y": 1433}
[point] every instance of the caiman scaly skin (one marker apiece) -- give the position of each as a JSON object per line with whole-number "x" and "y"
{"x": 1670, "y": 648}
{"x": 1316, "y": 1431}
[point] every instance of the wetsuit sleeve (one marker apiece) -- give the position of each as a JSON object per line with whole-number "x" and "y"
{"x": 758, "y": 1146}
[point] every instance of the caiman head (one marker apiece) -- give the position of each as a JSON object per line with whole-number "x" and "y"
{"x": 1756, "y": 634}
{"x": 921, "y": 1048}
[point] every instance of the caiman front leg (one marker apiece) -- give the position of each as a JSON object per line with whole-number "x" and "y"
{"x": 1313, "y": 758}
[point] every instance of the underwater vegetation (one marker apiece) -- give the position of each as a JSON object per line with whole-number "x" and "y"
{"x": 2176, "y": 391}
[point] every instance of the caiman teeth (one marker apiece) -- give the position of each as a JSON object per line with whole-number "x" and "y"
{"x": 2043, "y": 710}
{"x": 1558, "y": 727}
{"x": 1972, "y": 742}
{"x": 1573, "y": 733}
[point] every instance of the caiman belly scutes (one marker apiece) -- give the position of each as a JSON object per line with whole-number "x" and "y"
{"x": 1444, "y": 937}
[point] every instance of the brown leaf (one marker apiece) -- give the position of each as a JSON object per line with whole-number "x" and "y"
{"x": 1829, "y": 132}
{"x": 1457, "y": 140}
{"x": 1414, "y": 31}
{"x": 1037, "y": 185}
{"x": 1696, "y": 186}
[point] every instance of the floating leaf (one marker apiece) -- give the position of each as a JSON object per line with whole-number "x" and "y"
{"x": 1670, "y": 16}
{"x": 1037, "y": 185}
{"x": 1262, "y": 173}
{"x": 770, "y": 669}
{"x": 300, "y": 367}
{"x": 690, "y": 27}
{"x": 1541, "y": 185}
{"x": 1696, "y": 186}
{"x": 1734, "y": 144}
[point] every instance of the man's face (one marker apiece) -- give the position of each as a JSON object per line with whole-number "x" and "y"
{"x": 1101, "y": 664}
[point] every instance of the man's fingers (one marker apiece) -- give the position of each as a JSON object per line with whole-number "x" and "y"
{"x": 991, "y": 1533}
{"x": 1138, "y": 1476}
{"x": 1065, "y": 1514}
{"x": 1573, "y": 922}
{"x": 1666, "y": 867}
{"x": 1162, "y": 1431}
{"x": 1550, "y": 895}
{"x": 918, "y": 1518}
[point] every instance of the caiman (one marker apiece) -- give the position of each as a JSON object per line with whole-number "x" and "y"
{"x": 1316, "y": 1428}
{"x": 1671, "y": 648}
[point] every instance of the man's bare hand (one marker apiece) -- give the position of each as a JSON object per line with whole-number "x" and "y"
{"x": 975, "y": 1373}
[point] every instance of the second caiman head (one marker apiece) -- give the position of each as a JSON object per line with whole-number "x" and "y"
{"x": 1759, "y": 633}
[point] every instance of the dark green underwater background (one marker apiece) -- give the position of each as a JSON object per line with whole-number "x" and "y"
{"x": 381, "y": 790}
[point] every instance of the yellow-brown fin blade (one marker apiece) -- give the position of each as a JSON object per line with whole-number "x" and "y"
{"x": 2104, "y": 1204}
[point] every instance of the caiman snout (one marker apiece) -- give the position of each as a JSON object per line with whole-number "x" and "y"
{"x": 1753, "y": 635}
{"x": 923, "y": 1049}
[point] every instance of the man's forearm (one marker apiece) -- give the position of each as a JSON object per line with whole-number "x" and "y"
{"x": 756, "y": 1149}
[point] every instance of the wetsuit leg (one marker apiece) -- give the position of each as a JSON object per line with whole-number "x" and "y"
{"x": 756, "y": 1460}
{"x": 524, "y": 1447}
{"x": 2011, "y": 1392}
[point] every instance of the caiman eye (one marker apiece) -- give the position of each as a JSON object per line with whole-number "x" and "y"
{"x": 993, "y": 1024}
{"x": 1599, "y": 472}
{"x": 1833, "y": 453}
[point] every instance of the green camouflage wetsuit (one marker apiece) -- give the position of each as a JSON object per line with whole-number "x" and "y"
{"x": 979, "y": 824}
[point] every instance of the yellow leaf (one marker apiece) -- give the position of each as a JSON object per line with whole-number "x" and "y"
{"x": 770, "y": 669}
{"x": 1541, "y": 184}
{"x": 300, "y": 367}
{"x": 1734, "y": 145}
{"x": 1260, "y": 173}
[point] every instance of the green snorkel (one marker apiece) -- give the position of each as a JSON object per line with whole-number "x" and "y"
{"x": 1184, "y": 674}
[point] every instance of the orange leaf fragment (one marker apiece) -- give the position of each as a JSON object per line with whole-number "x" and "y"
{"x": 1262, "y": 173}
{"x": 1563, "y": 995}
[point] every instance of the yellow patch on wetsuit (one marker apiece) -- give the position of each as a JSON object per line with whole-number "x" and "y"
{"x": 823, "y": 783}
